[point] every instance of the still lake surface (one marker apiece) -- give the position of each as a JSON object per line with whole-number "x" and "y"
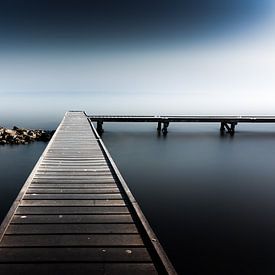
{"x": 209, "y": 198}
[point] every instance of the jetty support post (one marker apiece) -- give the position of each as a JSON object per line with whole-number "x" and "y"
{"x": 159, "y": 126}
{"x": 222, "y": 128}
{"x": 229, "y": 126}
{"x": 99, "y": 127}
{"x": 165, "y": 127}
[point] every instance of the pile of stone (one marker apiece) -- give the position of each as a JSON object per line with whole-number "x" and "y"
{"x": 23, "y": 136}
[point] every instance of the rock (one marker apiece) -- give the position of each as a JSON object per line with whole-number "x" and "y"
{"x": 23, "y": 136}
{"x": 8, "y": 138}
{"x": 45, "y": 137}
{"x": 10, "y": 132}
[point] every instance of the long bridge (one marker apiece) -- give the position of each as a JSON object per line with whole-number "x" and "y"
{"x": 227, "y": 123}
{"x": 76, "y": 215}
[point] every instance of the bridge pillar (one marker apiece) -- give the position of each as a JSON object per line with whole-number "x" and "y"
{"x": 222, "y": 128}
{"x": 233, "y": 124}
{"x": 165, "y": 127}
{"x": 99, "y": 127}
{"x": 159, "y": 126}
{"x": 229, "y": 126}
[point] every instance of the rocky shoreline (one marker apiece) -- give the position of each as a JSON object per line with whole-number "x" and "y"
{"x": 23, "y": 136}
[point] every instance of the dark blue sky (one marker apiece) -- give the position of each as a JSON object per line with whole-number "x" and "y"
{"x": 52, "y": 23}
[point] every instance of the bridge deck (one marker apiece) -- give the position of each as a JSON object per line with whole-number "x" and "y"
{"x": 169, "y": 118}
{"x": 76, "y": 215}
{"x": 228, "y": 123}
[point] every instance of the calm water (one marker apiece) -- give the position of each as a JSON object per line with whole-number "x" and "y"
{"x": 209, "y": 199}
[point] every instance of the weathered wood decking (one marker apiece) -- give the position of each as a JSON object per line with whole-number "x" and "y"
{"x": 76, "y": 215}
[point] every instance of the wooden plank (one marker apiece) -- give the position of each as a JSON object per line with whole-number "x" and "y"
{"x": 35, "y": 196}
{"x": 74, "y": 169}
{"x": 92, "y": 228}
{"x": 90, "y": 158}
{"x": 87, "y": 152}
{"x": 73, "y": 191}
{"x": 82, "y": 152}
{"x": 74, "y": 152}
{"x": 73, "y": 148}
{"x": 72, "y": 173}
{"x": 72, "y": 163}
{"x": 77, "y": 152}
{"x": 75, "y": 254}
{"x": 73, "y": 203}
{"x": 74, "y": 181}
{"x": 133, "y": 269}
{"x": 68, "y": 157}
{"x": 100, "y": 240}
{"x": 23, "y": 210}
{"x": 74, "y": 159}
{"x": 72, "y": 177}
{"x": 72, "y": 218}
{"x": 73, "y": 185}
{"x": 76, "y": 268}
{"x": 109, "y": 202}
{"x": 65, "y": 146}
{"x": 71, "y": 155}
{"x": 60, "y": 168}
{"x": 52, "y": 268}
{"x": 71, "y": 166}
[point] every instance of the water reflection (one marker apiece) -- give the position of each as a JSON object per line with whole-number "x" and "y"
{"x": 210, "y": 199}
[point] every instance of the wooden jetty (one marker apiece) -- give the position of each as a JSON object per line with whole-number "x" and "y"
{"x": 227, "y": 123}
{"x": 76, "y": 215}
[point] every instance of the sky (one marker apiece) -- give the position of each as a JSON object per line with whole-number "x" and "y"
{"x": 209, "y": 55}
